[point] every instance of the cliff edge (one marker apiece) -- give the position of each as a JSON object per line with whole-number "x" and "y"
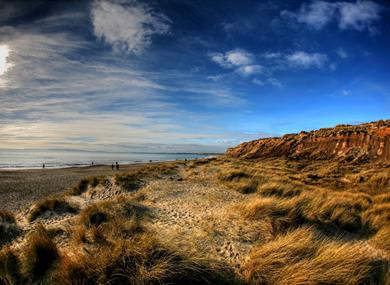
{"x": 369, "y": 142}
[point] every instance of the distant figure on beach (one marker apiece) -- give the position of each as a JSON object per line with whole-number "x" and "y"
{"x": 92, "y": 163}
{"x": 112, "y": 166}
{"x": 43, "y": 166}
{"x": 117, "y": 165}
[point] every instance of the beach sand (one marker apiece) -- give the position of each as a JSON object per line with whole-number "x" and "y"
{"x": 19, "y": 188}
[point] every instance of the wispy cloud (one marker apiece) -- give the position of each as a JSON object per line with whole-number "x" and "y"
{"x": 341, "y": 53}
{"x": 129, "y": 26}
{"x": 52, "y": 95}
{"x": 360, "y": 15}
{"x": 301, "y": 59}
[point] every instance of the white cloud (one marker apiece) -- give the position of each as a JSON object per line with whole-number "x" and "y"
{"x": 127, "y": 27}
{"x": 272, "y": 55}
{"x": 247, "y": 70}
{"x": 233, "y": 58}
{"x": 316, "y": 14}
{"x": 274, "y": 82}
{"x": 101, "y": 96}
{"x": 305, "y": 60}
{"x": 359, "y": 15}
{"x": 258, "y": 82}
{"x": 341, "y": 53}
{"x": 346, "y": 92}
{"x": 241, "y": 61}
{"x": 268, "y": 81}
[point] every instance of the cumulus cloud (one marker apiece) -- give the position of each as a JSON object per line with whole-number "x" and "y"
{"x": 127, "y": 27}
{"x": 241, "y": 61}
{"x": 305, "y": 60}
{"x": 247, "y": 70}
{"x": 359, "y": 15}
{"x": 233, "y": 58}
{"x": 316, "y": 14}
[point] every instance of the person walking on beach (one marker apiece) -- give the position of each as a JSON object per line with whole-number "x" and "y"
{"x": 43, "y": 166}
{"x": 117, "y": 165}
{"x": 112, "y": 166}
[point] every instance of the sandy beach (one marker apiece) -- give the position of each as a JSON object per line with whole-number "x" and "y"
{"x": 19, "y": 188}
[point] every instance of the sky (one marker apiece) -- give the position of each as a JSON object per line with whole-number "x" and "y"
{"x": 187, "y": 76}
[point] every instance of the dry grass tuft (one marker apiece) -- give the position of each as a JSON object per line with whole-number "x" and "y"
{"x": 346, "y": 211}
{"x": 10, "y": 271}
{"x": 280, "y": 189}
{"x": 56, "y": 205}
{"x": 8, "y": 227}
{"x": 142, "y": 261}
{"x": 303, "y": 257}
{"x": 129, "y": 182}
{"x": 377, "y": 217}
{"x": 82, "y": 186}
{"x": 105, "y": 221}
{"x": 382, "y": 238}
{"x": 39, "y": 257}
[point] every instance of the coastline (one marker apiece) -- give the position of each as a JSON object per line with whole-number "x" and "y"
{"x": 20, "y": 187}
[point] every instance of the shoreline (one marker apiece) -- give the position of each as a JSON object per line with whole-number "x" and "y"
{"x": 80, "y": 166}
{"x": 21, "y": 187}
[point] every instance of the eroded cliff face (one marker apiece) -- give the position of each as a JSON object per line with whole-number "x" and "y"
{"x": 365, "y": 142}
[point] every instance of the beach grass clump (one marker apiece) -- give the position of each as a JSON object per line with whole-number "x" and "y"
{"x": 345, "y": 211}
{"x": 7, "y": 216}
{"x": 141, "y": 260}
{"x": 120, "y": 250}
{"x": 10, "y": 267}
{"x": 304, "y": 257}
{"x": 53, "y": 205}
{"x": 80, "y": 188}
{"x": 129, "y": 182}
{"x": 279, "y": 189}
{"x": 39, "y": 257}
{"x": 83, "y": 184}
{"x": 9, "y": 229}
{"x": 377, "y": 216}
{"x": 381, "y": 239}
{"x": 107, "y": 220}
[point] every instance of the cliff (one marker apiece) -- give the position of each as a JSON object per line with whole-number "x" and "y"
{"x": 365, "y": 142}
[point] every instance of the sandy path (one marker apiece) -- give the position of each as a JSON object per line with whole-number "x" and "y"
{"x": 201, "y": 216}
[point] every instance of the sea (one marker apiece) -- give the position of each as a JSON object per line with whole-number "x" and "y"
{"x": 33, "y": 159}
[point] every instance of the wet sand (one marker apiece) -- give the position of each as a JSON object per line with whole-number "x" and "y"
{"x": 19, "y": 188}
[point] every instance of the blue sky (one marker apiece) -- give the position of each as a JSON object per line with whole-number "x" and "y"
{"x": 187, "y": 76}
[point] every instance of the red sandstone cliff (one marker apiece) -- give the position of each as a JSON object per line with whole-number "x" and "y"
{"x": 365, "y": 142}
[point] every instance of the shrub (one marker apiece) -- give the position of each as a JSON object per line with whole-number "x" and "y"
{"x": 57, "y": 205}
